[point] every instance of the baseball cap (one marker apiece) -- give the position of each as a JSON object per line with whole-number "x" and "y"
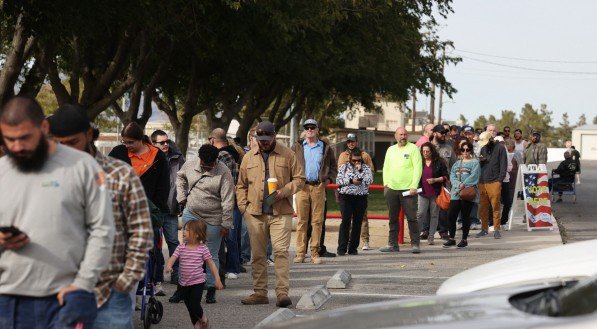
{"x": 439, "y": 129}
{"x": 68, "y": 120}
{"x": 468, "y": 129}
{"x": 484, "y": 138}
{"x": 310, "y": 122}
{"x": 265, "y": 131}
{"x": 499, "y": 139}
{"x": 351, "y": 137}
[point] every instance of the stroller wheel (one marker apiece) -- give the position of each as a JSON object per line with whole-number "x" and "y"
{"x": 147, "y": 317}
{"x": 156, "y": 310}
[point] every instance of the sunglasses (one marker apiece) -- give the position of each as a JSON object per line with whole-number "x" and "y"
{"x": 506, "y": 130}
{"x": 161, "y": 143}
{"x": 465, "y": 150}
{"x": 310, "y": 128}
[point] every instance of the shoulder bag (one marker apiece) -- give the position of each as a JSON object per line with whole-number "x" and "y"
{"x": 468, "y": 193}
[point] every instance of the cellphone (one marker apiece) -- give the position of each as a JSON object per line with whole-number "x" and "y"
{"x": 10, "y": 229}
{"x": 271, "y": 199}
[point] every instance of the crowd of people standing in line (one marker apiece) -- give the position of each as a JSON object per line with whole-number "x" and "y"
{"x": 77, "y": 225}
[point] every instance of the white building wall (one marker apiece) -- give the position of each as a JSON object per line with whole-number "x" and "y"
{"x": 390, "y": 118}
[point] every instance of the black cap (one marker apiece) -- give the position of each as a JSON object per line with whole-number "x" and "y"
{"x": 439, "y": 129}
{"x": 68, "y": 120}
{"x": 351, "y": 137}
{"x": 266, "y": 129}
{"x": 468, "y": 129}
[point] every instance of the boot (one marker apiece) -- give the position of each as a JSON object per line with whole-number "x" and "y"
{"x": 210, "y": 297}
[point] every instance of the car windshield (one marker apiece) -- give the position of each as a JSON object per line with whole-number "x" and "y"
{"x": 574, "y": 298}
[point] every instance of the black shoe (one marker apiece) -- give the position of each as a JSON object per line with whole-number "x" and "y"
{"x": 176, "y": 298}
{"x": 340, "y": 253}
{"x": 462, "y": 244}
{"x": 210, "y": 297}
{"x": 243, "y": 269}
{"x": 353, "y": 252}
{"x": 449, "y": 243}
{"x": 444, "y": 236}
{"x": 327, "y": 254}
{"x": 424, "y": 235}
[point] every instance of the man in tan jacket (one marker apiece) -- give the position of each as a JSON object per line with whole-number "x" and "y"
{"x": 344, "y": 157}
{"x": 271, "y": 218}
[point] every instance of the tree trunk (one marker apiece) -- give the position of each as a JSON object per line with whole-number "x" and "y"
{"x": 14, "y": 61}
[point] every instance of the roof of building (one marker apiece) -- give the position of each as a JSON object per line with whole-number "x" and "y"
{"x": 586, "y": 127}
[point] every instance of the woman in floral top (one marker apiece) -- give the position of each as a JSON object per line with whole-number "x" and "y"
{"x": 353, "y": 182}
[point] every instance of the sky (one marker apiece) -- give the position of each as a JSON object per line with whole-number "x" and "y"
{"x": 553, "y": 35}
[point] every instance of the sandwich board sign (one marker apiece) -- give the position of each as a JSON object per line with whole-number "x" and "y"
{"x": 537, "y": 202}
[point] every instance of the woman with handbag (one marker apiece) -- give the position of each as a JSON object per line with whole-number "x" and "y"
{"x": 464, "y": 177}
{"x": 435, "y": 174}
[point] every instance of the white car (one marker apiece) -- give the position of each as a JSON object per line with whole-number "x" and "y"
{"x": 569, "y": 262}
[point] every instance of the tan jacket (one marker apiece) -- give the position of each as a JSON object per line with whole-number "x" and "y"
{"x": 283, "y": 166}
{"x": 345, "y": 157}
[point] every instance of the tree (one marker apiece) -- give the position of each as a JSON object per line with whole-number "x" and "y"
{"x": 481, "y": 122}
{"x": 582, "y": 120}
{"x": 463, "y": 119}
{"x": 536, "y": 120}
{"x": 563, "y": 132}
{"x": 508, "y": 119}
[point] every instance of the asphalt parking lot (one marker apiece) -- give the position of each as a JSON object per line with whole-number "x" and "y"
{"x": 379, "y": 276}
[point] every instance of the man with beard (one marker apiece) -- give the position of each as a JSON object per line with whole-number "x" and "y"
{"x": 134, "y": 236}
{"x": 54, "y": 201}
{"x": 494, "y": 163}
{"x": 266, "y": 216}
{"x": 402, "y": 170}
{"x": 506, "y": 132}
{"x": 536, "y": 152}
{"x": 519, "y": 144}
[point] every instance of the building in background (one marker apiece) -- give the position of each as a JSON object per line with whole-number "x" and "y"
{"x": 584, "y": 139}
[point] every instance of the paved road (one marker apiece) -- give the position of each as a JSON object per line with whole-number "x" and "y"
{"x": 380, "y": 277}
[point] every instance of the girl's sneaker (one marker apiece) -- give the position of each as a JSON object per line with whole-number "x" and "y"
{"x": 462, "y": 244}
{"x": 204, "y": 321}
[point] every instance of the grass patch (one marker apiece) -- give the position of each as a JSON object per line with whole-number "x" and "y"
{"x": 377, "y": 203}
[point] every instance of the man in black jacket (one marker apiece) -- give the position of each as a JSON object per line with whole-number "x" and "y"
{"x": 151, "y": 165}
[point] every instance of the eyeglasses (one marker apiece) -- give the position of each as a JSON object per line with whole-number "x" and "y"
{"x": 161, "y": 143}
{"x": 128, "y": 142}
{"x": 465, "y": 150}
{"x": 310, "y": 128}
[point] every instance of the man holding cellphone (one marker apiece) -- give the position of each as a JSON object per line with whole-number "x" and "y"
{"x": 58, "y": 198}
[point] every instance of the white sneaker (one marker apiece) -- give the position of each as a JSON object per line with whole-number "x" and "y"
{"x": 366, "y": 246}
{"x": 232, "y": 276}
{"x": 158, "y": 290}
{"x": 270, "y": 262}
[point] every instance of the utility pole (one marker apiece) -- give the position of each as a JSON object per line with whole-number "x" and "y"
{"x": 441, "y": 88}
{"x": 414, "y": 114}
{"x": 432, "y": 98}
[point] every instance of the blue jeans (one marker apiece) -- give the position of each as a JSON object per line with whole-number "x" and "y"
{"x": 116, "y": 313}
{"x": 24, "y": 312}
{"x": 214, "y": 240}
{"x": 170, "y": 230}
{"x": 232, "y": 243}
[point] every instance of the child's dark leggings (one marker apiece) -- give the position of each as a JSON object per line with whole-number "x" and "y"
{"x": 192, "y": 299}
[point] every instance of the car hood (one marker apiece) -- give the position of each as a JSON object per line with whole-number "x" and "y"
{"x": 477, "y": 310}
{"x": 573, "y": 261}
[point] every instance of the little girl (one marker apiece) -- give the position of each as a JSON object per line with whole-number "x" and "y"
{"x": 191, "y": 256}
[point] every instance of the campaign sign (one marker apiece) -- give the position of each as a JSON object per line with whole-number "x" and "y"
{"x": 537, "y": 200}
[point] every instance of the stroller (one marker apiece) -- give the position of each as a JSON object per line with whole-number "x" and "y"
{"x": 562, "y": 186}
{"x": 152, "y": 309}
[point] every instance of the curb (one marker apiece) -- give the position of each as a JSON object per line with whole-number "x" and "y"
{"x": 314, "y": 299}
{"x": 339, "y": 280}
{"x": 280, "y": 315}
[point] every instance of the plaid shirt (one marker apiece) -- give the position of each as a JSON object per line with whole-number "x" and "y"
{"x": 134, "y": 234}
{"x": 228, "y": 160}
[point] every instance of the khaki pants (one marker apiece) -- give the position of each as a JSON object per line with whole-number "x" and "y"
{"x": 490, "y": 193}
{"x": 262, "y": 228}
{"x": 309, "y": 201}
{"x": 365, "y": 229}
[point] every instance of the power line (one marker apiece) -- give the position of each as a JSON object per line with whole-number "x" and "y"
{"x": 527, "y": 59}
{"x": 528, "y": 68}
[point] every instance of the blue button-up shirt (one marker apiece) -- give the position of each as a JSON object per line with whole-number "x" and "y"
{"x": 313, "y": 157}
